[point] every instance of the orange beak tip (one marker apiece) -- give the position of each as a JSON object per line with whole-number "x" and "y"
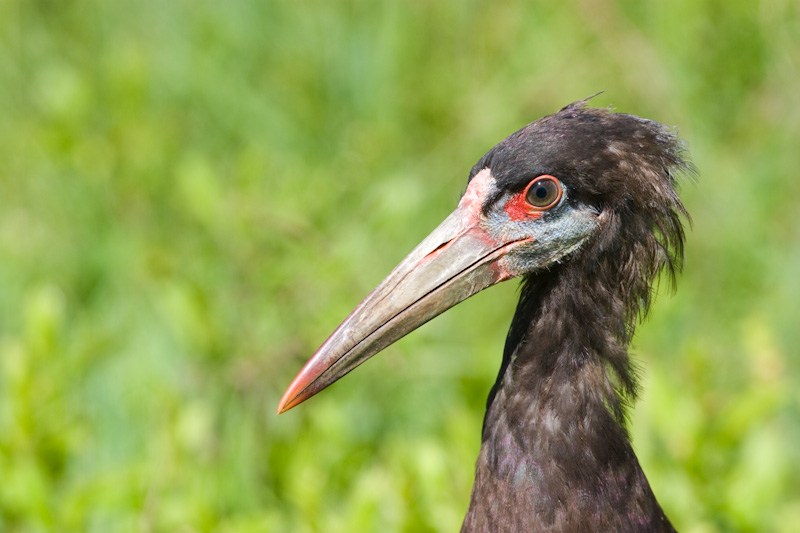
{"x": 294, "y": 395}
{"x": 286, "y": 403}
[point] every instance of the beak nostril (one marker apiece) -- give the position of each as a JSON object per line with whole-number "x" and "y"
{"x": 439, "y": 249}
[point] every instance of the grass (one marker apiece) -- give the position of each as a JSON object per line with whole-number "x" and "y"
{"x": 194, "y": 194}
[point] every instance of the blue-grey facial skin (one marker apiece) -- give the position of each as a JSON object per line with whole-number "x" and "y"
{"x": 560, "y": 231}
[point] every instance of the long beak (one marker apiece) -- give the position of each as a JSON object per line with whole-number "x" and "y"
{"x": 454, "y": 262}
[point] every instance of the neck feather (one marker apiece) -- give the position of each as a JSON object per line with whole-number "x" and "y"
{"x": 555, "y": 452}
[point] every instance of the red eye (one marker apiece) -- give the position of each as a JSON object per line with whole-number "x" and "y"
{"x": 544, "y": 192}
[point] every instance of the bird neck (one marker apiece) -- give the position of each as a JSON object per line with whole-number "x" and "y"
{"x": 554, "y": 439}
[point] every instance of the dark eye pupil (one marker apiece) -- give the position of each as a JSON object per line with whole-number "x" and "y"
{"x": 541, "y": 192}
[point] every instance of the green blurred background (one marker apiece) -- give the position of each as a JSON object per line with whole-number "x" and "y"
{"x": 193, "y": 194}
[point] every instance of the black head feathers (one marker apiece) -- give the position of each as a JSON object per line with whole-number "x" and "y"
{"x": 623, "y": 166}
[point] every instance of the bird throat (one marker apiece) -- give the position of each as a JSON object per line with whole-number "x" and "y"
{"x": 554, "y": 439}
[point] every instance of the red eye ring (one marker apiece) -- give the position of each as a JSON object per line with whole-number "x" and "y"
{"x": 543, "y": 192}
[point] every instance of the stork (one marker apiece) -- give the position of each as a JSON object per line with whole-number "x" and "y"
{"x": 583, "y": 205}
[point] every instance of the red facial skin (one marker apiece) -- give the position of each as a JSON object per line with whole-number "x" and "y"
{"x": 518, "y": 207}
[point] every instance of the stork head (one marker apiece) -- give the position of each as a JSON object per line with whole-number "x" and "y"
{"x": 580, "y": 184}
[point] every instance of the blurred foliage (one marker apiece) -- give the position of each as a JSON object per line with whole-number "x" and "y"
{"x": 194, "y": 194}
